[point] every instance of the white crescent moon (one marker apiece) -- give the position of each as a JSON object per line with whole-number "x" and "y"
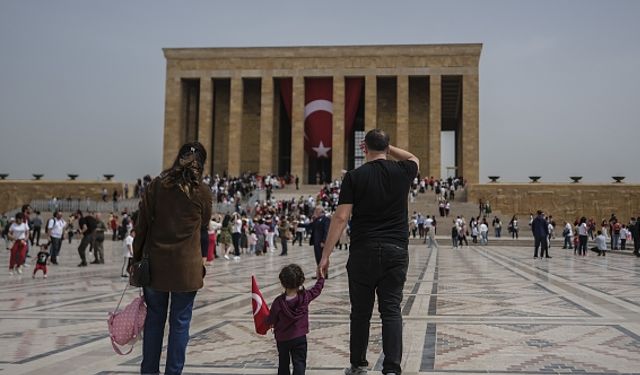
{"x": 256, "y": 297}
{"x": 317, "y": 105}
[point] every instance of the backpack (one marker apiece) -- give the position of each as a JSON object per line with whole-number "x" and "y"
{"x": 126, "y": 326}
{"x": 46, "y": 227}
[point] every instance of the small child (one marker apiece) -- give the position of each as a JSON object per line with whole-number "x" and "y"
{"x": 41, "y": 261}
{"x": 289, "y": 317}
{"x": 128, "y": 253}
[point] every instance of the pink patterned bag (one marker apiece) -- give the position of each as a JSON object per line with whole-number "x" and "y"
{"x": 126, "y": 326}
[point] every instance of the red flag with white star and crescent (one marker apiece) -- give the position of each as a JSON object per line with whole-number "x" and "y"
{"x": 318, "y": 117}
{"x": 260, "y": 308}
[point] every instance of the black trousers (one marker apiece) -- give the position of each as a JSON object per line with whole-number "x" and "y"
{"x": 35, "y": 236}
{"x": 87, "y": 240}
{"x": 292, "y": 351}
{"x": 541, "y": 241}
{"x": 317, "y": 251}
{"x": 235, "y": 239}
{"x": 283, "y": 242}
{"x": 582, "y": 247}
{"x": 377, "y": 268}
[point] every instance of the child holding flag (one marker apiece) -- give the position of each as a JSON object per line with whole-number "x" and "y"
{"x": 289, "y": 317}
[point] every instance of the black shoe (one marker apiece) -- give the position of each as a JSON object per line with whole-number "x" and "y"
{"x": 83, "y": 264}
{"x": 95, "y": 262}
{"x": 548, "y": 257}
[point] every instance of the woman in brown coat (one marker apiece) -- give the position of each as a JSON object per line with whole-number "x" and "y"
{"x": 173, "y": 210}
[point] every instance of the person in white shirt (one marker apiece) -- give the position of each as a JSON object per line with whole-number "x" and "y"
{"x": 55, "y": 228}
{"x": 484, "y": 233}
{"x": 19, "y": 233}
{"x": 624, "y": 233}
{"x": 428, "y": 227}
{"x": 567, "y": 233}
{"x": 128, "y": 253}
{"x": 601, "y": 244}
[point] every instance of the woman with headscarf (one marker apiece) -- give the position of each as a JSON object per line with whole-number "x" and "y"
{"x": 174, "y": 209}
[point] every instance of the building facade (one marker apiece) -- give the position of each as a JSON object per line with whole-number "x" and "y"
{"x": 300, "y": 110}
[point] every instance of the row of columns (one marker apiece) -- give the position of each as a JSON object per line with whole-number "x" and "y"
{"x": 468, "y": 133}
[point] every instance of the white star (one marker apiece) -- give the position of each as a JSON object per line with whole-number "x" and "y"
{"x": 323, "y": 152}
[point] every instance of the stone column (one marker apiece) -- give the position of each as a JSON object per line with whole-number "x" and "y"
{"x": 370, "y": 102}
{"x": 235, "y": 126}
{"x": 297, "y": 129}
{"x": 172, "y": 120}
{"x": 205, "y": 126}
{"x": 435, "y": 126}
{"x": 266, "y": 126}
{"x": 338, "y": 138}
{"x": 470, "y": 128}
{"x": 402, "y": 116}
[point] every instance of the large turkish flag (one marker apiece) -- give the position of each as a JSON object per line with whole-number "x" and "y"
{"x": 318, "y": 111}
{"x": 318, "y": 117}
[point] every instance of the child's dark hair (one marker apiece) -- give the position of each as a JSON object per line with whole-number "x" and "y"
{"x": 292, "y": 276}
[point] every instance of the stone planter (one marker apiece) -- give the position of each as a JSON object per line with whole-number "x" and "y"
{"x": 37, "y": 176}
{"x": 72, "y": 176}
{"x": 3, "y": 176}
{"x": 534, "y": 179}
{"x": 108, "y": 177}
{"x": 494, "y": 178}
{"x": 576, "y": 179}
{"x": 618, "y": 179}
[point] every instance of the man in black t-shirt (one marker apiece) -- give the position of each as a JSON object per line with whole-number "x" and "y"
{"x": 375, "y": 197}
{"x": 87, "y": 226}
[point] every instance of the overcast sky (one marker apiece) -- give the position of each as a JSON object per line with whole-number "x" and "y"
{"x": 82, "y": 82}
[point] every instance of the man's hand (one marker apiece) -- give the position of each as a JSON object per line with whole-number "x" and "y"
{"x": 323, "y": 267}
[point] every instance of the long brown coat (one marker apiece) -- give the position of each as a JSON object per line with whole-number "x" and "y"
{"x": 168, "y": 226}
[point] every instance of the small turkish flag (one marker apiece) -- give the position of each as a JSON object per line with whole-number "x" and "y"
{"x": 260, "y": 308}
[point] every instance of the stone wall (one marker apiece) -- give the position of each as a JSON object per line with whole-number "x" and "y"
{"x": 15, "y": 193}
{"x": 563, "y": 201}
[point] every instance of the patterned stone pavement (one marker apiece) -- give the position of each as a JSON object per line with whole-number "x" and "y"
{"x": 474, "y": 310}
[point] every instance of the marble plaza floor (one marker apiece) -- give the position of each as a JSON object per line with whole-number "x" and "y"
{"x": 474, "y": 310}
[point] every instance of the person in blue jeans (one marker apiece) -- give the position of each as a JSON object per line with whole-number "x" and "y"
{"x": 174, "y": 209}
{"x": 289, "y": 317}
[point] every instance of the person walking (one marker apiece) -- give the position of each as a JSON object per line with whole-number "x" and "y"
{"x": 174, "y": 209}
{"x": 87, "y": 226}
{"x": 319, "y": 232}
{"x": 55, "y": 228}
{"x": 540, "y": 230}
{"x": 36, "y": 229}
{"x": 376, "y": 193}
{"x": 583, "y": 236}
{"x": 98, "y": 240}
{"x": 289, "y": 317}
{"x": 285, "y": 234}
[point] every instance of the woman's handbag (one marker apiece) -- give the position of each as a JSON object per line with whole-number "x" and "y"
{"x": 126, "y": 326}
{"x": 140, "y": 272}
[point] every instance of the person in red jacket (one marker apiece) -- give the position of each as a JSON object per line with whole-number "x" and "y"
{"x": 289, "y": 317}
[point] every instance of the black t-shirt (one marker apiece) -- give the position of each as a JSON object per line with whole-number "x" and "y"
{"x": 378, "y": 191}
{"x": 90, "y": 222}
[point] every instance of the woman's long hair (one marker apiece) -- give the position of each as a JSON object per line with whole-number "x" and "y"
{"x": 226, "y": 220}
{"x": 186, "y": 171}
